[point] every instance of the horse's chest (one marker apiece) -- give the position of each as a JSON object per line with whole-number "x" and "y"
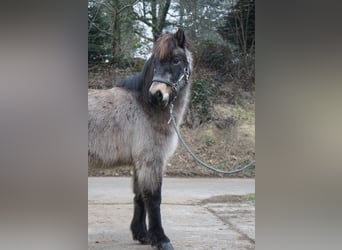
{"x": 168, "y": 145}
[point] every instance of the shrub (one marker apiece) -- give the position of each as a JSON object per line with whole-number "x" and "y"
{"x": 213, "y": 55}
{"x": 200, "y": 106}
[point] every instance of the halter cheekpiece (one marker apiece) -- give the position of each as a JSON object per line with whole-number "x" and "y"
{"x": 175, "y": 85}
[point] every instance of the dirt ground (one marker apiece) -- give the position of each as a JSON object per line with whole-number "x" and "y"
{"x": 225, "y": 140}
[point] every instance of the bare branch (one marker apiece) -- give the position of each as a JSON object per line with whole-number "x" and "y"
{"x": 162, "y": 15}
{"x": 174, "y": 23}
{"x": 174, "y": 15}
{"x": 94, "y": 17}
{"x": 104, "y": 31}
{"x": 127, "y": 6}
{"x": 154, "y": 14}
{"x": 144, "y": 8}
{"x": 143, "y": 36}
{"x": 145, "y": 20}
{"x": 109, "y": 7}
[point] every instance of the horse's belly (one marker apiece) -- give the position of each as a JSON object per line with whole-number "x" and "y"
{"x": 109, "y": 127}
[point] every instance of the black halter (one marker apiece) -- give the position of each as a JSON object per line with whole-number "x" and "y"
{"x": 175, "y": 85}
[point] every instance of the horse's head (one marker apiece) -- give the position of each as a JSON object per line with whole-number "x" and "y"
{"x": 172, "y": 65}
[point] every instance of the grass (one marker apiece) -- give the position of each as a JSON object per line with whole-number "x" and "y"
{"x": 230, "y": 198}
{"x": 222, "y": 164}
{"x": 248, "y": 197}
{"x": 208, "y": 140}
{"x": 241, "y": 114}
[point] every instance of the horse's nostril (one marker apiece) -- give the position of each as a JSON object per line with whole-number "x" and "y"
{"x": 159, "y": 96}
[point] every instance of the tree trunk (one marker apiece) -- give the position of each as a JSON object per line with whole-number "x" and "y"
{"x": 162, "y": 16}
{"x": 158, "y": 20}
{"x": 116, "y": 50}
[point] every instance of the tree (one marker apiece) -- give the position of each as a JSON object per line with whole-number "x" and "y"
{"x": 239, "y": 26}
{"x": 111, "y": 20}
{"x": 99, "y": 25}
{"x": 201, "y": 18}
{"x": 238, "y": 30}
{"x": 153, "y": 13}
{"x": 120, "y": 11}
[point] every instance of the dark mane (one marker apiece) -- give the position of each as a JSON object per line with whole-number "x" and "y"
{"x": 132, "y": 83}
{"x": 137, "y": 81}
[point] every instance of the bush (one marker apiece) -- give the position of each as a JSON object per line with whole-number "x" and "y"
{"x": 220, "y": 58}
{"x": 200, "y": 106}
{"x": 213, "y": 56}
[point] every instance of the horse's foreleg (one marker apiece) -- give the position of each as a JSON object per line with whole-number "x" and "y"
{"x": 150, "y": 181}
{"x": 138, "y": 225}
{"x": 158, "y": 238}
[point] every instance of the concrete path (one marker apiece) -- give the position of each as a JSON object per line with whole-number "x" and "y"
{"x": 192, "y": 219}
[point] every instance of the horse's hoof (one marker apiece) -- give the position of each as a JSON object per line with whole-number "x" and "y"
{"x": 165, "y": 246}
{"x": 144, "y": 240}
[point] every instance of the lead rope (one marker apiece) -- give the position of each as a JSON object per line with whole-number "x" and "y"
{"x": 237, "y": 170}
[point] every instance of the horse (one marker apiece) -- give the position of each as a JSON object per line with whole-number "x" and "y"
{"x": 128, "y": 125}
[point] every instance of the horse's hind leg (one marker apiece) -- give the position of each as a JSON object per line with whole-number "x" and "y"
{"x": 138, "y": 225}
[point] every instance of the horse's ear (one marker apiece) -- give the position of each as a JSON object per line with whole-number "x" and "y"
{"x": 180, "y": 37}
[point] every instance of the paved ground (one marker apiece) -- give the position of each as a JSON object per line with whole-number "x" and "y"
{"x": 197, "y": 213}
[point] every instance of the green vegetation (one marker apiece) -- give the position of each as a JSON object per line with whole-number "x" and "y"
{"x": 249, "y": 197}
{"x": 222, "y": 164}
{"x": 241, "y": 114}
{"x": 202, "y": 91}
{"x": 230, "y": 198}
{"x": 208, "y": 140}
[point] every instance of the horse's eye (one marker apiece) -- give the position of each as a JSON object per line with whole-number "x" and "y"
{"x": 175, "y": 61}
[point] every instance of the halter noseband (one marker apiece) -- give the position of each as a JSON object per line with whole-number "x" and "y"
{"x": 174, "y": 85}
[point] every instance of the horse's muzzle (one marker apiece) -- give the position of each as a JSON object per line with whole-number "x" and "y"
{"x": 159, "y": 93}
